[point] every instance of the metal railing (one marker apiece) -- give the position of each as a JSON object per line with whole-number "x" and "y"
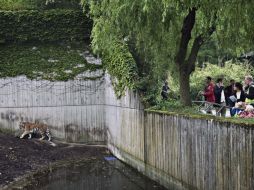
{"x": 204, "y": 105}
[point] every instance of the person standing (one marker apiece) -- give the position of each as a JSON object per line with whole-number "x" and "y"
{"x": 229, "y": 91}
{"x": 220, "y": 98}
{"x": 165, "y": 91}
{"x": 208, "y": 93}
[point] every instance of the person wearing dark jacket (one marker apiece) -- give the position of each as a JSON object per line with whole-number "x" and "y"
{"x": 249, "y": 90}
{"x": 237, "y": 97}
{"x": 229, "y": 91}
{"x": 220, "y": 98}
{"x": 165, "y": 91}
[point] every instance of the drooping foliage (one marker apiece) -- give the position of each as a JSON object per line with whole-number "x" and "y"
{"x": 166, "y": 35}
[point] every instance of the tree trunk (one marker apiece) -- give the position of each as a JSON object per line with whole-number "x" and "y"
{"x": 186, "y": 64}
{"x": 184, "y": 79}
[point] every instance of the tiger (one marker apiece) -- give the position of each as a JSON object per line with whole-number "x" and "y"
{"x": 30, "y": 128}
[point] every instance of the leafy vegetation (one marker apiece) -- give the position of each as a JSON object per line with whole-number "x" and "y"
{"x": 120, "y": 64}
{"x": 54, "y": 62}
{"x": 167, "y": 35}
{"x": 236, "y": 71}
{"x": 44, "y": 26}
{"x": 231, "y": 70}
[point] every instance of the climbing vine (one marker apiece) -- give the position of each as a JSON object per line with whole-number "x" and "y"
{"x": 38, "y": 4}
{"x": 120, "y": 64}
{"x": 44, "y": 26}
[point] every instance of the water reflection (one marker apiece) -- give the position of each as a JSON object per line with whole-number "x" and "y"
{"x": 96, "y": 175}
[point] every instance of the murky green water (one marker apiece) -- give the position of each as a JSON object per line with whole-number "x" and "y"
{"x": 96, "y": 175}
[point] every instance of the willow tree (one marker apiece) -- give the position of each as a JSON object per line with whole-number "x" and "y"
{"x": 171, "y": 32}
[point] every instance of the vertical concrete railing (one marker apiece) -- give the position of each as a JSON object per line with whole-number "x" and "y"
{"x": 187, "y": 153}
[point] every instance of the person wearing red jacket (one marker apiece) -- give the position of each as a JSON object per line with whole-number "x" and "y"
{"x": 208, "y": 93}
{"x": 209, "y": 90}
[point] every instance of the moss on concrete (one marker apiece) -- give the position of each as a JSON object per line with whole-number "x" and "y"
{"x": 248, "y": 122}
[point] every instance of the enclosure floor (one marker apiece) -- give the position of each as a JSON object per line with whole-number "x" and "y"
{"x": 95, "y": 167}
{"x": 20, "y": 156}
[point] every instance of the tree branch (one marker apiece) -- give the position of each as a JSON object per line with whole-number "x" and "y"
{"x": 193, "y": 54}
{"x": 187, "y": 27}
{"x": 198, "y": 42}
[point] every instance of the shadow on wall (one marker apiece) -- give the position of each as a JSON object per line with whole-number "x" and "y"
{"x": 71, "y": 132}
{"x": 75, "y": 133}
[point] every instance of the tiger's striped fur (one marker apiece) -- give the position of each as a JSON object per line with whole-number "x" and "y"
{"x": 30, "y": 128}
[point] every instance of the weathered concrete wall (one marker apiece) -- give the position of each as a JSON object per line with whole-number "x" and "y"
{"x": 74, "y": 110}
{"x": 125, "y": 125}
{"x": 185, "y": 153}
{"x": 202, "y": 154}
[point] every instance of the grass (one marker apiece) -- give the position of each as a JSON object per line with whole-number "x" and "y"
{"x": 175, "y": 106}
{"x": 54, "y": 62}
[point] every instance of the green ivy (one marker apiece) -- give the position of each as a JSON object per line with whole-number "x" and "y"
{"x": 121, "y": 65}
{"x": 38, "y": 4}
{"x": 44, "y": 26}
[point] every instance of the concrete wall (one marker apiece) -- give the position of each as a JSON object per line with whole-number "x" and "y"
{"x": 125, "y": 125}
{"x": 74, "y": 110}
{"x": 202, "y": 154}
{"x": 185, "y": 153}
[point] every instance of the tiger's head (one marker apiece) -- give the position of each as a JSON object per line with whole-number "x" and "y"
{"x": 21, "y": 125}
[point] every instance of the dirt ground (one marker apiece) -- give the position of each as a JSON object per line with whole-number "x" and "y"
{"x": 20, "y": 156}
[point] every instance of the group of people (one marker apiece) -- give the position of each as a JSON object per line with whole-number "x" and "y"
{"x": 239, "y": 97}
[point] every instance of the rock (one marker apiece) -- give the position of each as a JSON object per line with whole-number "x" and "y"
{"x": 68, "y": 71}
{"x": 52, "y": 60}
